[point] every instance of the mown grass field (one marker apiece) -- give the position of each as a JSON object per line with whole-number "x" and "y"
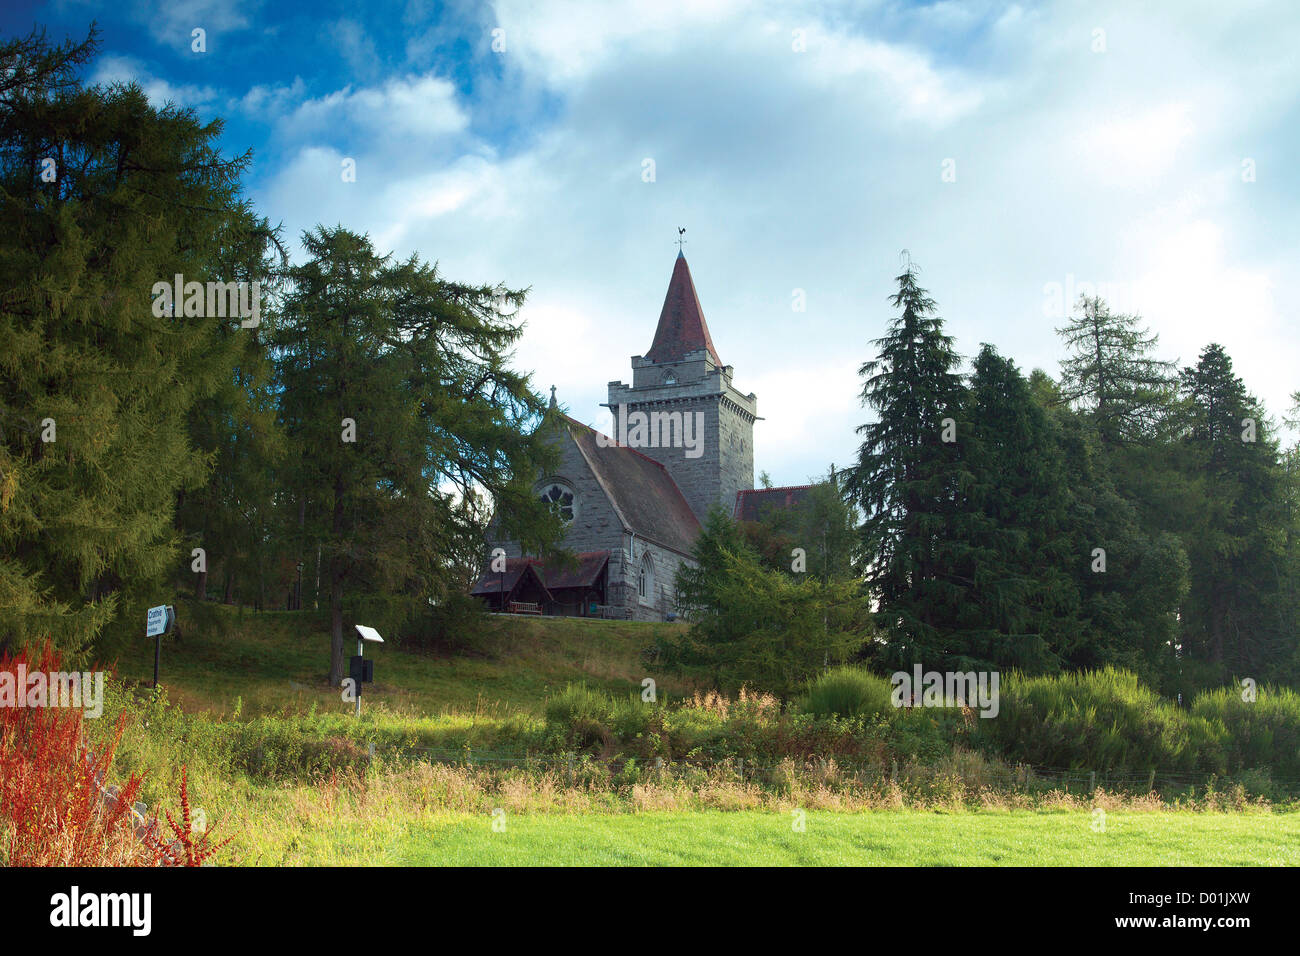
{"x": 880, "y": 838}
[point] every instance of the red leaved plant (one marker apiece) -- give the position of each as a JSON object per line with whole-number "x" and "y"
{"x": 57, "y": 807}
{"x": 187, "y": 849}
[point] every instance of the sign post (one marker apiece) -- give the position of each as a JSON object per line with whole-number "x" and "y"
{"x": 158, "y": 622}
{"x": 361, "y": 670}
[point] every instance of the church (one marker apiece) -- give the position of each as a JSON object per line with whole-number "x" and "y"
{"x": 634, "y": 501}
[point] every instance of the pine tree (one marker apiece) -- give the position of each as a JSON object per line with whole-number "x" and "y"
{"x": 399, "y": 406}
{"x": 1019, "y": 603}
{"x": 907, "y": 476}
{"x": 1229, "y": 617}
{"x": 105, "y": 196}
{"x": 1111, "y": 374}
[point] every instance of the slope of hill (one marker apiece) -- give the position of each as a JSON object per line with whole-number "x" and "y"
{"x": 230, "y": 659}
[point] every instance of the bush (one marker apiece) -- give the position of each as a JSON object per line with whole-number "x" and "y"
{"x": 847, "y": 691}
{"x": 1099, "y": 720}
{"x": 1258, "y": 734}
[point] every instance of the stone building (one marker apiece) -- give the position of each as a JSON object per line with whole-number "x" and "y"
{"x": 683, "y": 442}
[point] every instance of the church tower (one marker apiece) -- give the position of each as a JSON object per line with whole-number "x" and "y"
{"x": 683, "y": 374}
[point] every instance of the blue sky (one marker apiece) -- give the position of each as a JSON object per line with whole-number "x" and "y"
{"x": 1148, "y": 152}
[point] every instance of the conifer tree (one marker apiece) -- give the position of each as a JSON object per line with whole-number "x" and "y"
{"x": 399, "y": 404}
{"x": 1111, "y": 373}
{"x": 105, "y": 196}
{"x": 1019, "y": 603}
{"x": 1229, "y": 617}
{"x": 907, "y": 476}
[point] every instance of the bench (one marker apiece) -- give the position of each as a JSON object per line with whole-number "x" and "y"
{"x": 524, "y": 607}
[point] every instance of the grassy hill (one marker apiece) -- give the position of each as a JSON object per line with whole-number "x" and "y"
{"x": 276, "y": 662}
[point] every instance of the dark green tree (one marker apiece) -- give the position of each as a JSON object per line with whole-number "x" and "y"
{"x": 1236, "y": 542}
{"x": 103, "y": 197}
{"x": 400, "y": 407}
{"x": 907, "y": 478}
{"x": 1019, "y": 604}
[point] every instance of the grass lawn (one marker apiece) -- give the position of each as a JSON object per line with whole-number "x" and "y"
{"x": 882, "y": 838}
{"x": 276, "y": 662}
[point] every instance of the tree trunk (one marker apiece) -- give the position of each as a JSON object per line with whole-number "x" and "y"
{"x": 336, "y": 628}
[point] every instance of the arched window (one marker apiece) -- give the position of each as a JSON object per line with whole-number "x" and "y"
{"x": 560, "y": 497}
{"x": 645, "y": 581}
{"x": 670, "y": 377}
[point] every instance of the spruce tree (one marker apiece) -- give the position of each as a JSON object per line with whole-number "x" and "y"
{"x": 1229, "y": 617}
{"x": 1019, "y": 603}
{"x": 907, "y": 477}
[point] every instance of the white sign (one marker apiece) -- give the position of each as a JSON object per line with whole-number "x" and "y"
{"x": 156, "y": 623}
{"x": 368, "y": 633}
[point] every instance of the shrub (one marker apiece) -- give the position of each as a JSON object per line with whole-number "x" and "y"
{"x": 1098, "y": 720}
{"x": 1258, "y": 734}
{"x": 847, "y": 691}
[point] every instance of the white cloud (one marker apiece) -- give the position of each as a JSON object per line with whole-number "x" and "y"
{"x": 414, "y": 106}
{"x": 812, "y": 170}
{"x": 125, "y": 69}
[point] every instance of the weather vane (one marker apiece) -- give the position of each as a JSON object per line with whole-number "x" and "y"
{"x": 681, "y": 231}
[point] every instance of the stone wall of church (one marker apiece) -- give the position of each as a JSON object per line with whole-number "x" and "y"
{"x": 595, "y": 525}
{"x": 625, "y": 579}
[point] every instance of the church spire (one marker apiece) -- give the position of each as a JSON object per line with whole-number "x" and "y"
{"x": 681, "y": 321}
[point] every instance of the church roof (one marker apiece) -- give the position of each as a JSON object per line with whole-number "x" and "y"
{"x": 553, "y": 577}
{"x": 681, "y": 321}
{"x": 751, "y": 504}
{"x": 640, "y": 489}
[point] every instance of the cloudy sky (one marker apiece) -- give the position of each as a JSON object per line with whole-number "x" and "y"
{"x": 1019, "y": 152}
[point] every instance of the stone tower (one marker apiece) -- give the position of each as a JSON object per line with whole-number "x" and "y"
{"x": 682, "y": 376}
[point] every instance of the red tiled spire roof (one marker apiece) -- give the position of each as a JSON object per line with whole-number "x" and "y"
{"x": 681, "y": 322}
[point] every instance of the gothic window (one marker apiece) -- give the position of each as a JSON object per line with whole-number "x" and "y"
{"x": 560, "y": 497}
{"x": 645, "y": 582}
{"x": 670, "y": 377}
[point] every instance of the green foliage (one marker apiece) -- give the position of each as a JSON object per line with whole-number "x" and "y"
{"x": 401, "y": 411}
{"x": 753, "y": 625}
{"x": 847, "y": 691}
{"x": 1259, "y": 734}
{"x": 139, "y": 194}
{"x": 906, "y": 477}
{"x": 1111, "y": 374}
{"x": 824, "y": 525}
{"x": 1099, "y": 720}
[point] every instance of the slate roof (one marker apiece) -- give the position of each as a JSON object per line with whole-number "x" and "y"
{"x": 681, "y": 326}
{"x": 642, "y": 492}
{"x": 496, "y": 582}
{"x": 751, "y": 504}
{"x": 590, "y": 564}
